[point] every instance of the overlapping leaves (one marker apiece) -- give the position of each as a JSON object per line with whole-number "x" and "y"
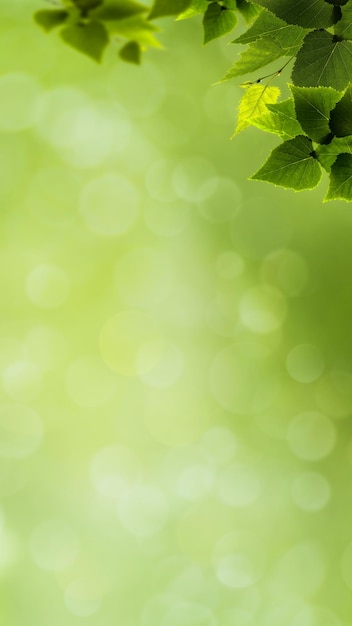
{"x": 306, "y": 13}
{"x": 315, "y": 124}
{"x": 89, "y": 26}
{"x": 311, "y": 39}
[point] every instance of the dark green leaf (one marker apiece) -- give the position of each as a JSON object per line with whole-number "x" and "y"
{"x": 118, "y": 10}
{"x": 258, "y": 54}
{"x": 196, "y": 7}
{"x": 323, "y": 61}
{"x": 50, "y": 19}
{"x": 90, "y": 39}
{"x": 306, "y": 13}
{"x": 341, "y": 116}
{"x": 337, "y": 3}
{"x": 343, "y": 28}
{"x": 161, "y": 8}
{"x": 327, "y": 153}
{"x": 217, "y": 21}
{"x": 340, "y": 187}
{"x": 248, "y": 10}
{"x": 87, "y": 5}
{"x": 267, "y": 24}
{"x": 291, "y": 165}
{"x": 131, "y": 52}
{"x": 313, "y": 106}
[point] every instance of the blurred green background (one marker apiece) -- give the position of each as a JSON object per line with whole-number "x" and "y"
{"x": 175, "y": 351}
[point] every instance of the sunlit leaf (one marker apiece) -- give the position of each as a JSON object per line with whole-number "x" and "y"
{"x": 280, "y": 121}
{"x": 253, "y": 104}
{"x": 285, "y": 118}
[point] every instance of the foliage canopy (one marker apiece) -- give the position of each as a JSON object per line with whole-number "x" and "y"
{"x": 314, "y": 37}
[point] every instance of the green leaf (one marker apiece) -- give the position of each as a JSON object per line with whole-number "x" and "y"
{"x": 87, "y": 5}
{"x": 286, "y": 117}
{"x": 131, "y": 52}
{"x": 327, "y": 153}
{"x": 253, "y": 104}
{"x": 270, "y": 124}
{"x": 340, "y": 187}
{"x": 306, "y": 13}
{"x": 229, "y": 4}
{"x": 338, "y": 2}
{"x": 313, "y": 107}
{"x": 280, "y": 121}
{"x": 90, "y": 39}
{"x": 323, "y": 61}
{"x": 291, "y": 165}
{"x": 161, "y": 8}
{"x": 196, "y": 7}
{"x": 267, "y": 24}
{"x": 341, "y": 116}
{"x": 343, "y": 28}
{"x": 217, "y": 21}
{"x": 118, "y": 10}
{"x": 258, "y": 54}
{"x": 135, "y": 28}
{"x": 248, "y": 10}
{"x": 50, "y": 19}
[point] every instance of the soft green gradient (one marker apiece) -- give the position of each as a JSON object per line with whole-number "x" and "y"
{"x": 175, "y": 351}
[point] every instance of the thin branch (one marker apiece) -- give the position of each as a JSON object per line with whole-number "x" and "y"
{"x": 272, "y": 75}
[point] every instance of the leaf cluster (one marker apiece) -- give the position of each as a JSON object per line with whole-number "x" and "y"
{"x": 90, "y": 26}
{"x": 315, "y": 123}
{"x": 312, "y": 37}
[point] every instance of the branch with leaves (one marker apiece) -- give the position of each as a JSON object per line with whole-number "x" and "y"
{"x": 312, "y": 37}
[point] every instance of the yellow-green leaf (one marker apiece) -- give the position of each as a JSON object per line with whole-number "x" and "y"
{"x": 253, "y": 104}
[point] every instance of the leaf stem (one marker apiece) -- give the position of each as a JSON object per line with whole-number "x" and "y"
{"x": 273, "y": 74}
